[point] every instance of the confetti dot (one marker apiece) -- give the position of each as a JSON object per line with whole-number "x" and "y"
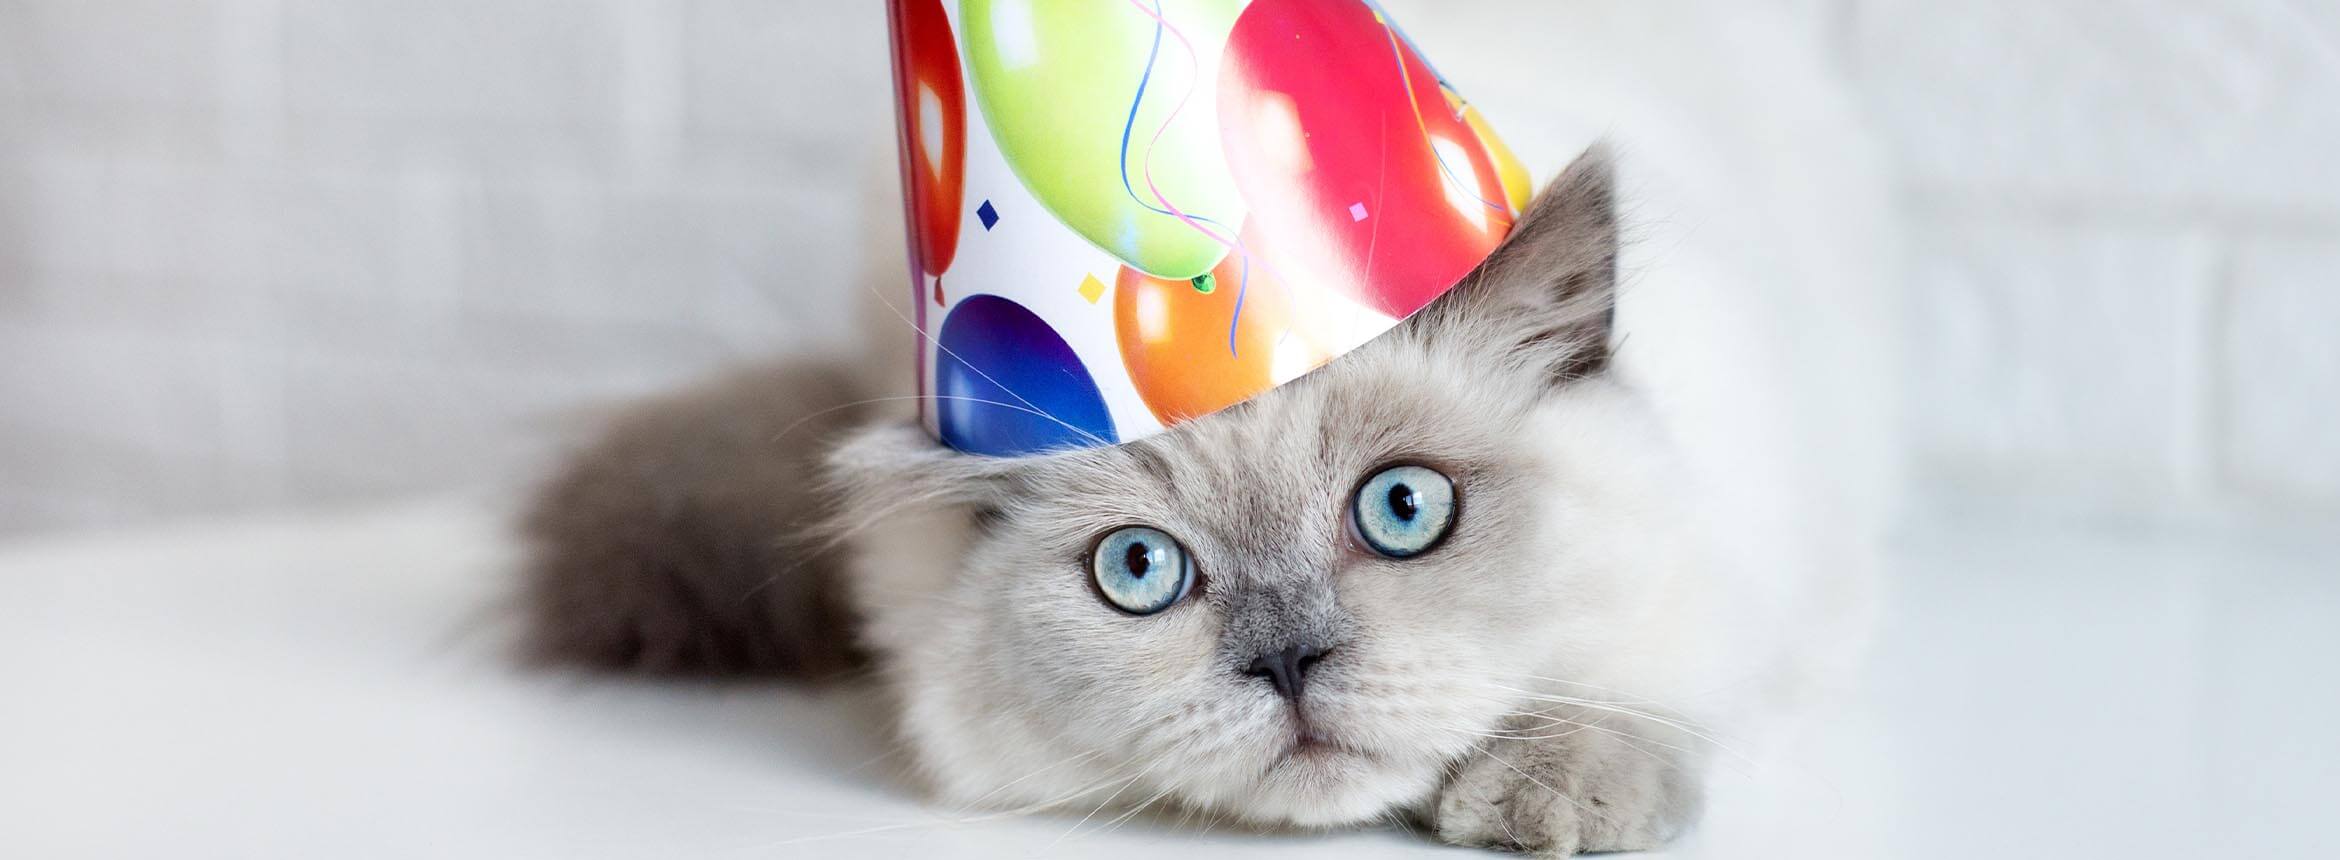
{"x": 1205, "y": 283}
{"x": 1091, "y": 288}
{"x": 1356, "y": 212}
{"x": 990, "y": 216}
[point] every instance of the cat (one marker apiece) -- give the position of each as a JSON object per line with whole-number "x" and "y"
{"x": 1466, "y": 574}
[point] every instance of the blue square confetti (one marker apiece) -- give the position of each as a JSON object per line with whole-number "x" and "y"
{"x": 987, "y": 215}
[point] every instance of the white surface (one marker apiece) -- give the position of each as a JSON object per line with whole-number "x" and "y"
{"x": 333, "y": 688}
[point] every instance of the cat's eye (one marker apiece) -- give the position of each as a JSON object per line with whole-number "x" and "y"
{"x": 1403, "y": 511}
{"x": 1141, "y": 570}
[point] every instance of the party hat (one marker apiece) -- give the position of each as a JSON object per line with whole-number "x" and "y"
{"x": 1125, "y": 214}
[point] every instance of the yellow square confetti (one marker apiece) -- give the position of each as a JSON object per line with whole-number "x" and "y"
{"x": 1091, "y": 288}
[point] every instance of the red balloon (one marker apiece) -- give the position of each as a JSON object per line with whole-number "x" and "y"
{"x": 1350, "y": 157}
{"x": 931, "y": 107}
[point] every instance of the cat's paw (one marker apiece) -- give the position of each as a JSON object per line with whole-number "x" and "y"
{"x": 1576, "y": 791}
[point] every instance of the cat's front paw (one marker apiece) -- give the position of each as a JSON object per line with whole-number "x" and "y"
{"x": 1565, "y": 790}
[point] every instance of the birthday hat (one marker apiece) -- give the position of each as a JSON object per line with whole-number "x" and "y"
{"x": 1125, "y": 214}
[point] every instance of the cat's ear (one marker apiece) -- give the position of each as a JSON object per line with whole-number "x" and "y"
{"x": 898, "y": 468}
{"x": 1547, "y": 296}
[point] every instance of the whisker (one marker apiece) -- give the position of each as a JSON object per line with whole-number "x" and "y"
{"x": 1679, "y": 725}
{"x": 986, "y": 796}
{"x": 1503, "y": 735}
{"x": 838, "y": 535}
{"x": 1637, "y": 700}
{"x": 1140, "y": 808}
{"x": 1108, "y": 801}
{"x": 1629, "y": 738}
{"x": 1682, "y": 727}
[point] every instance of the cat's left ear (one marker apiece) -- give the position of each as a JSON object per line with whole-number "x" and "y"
{"x": 895, "y": 467}
{"x": 1547, "y": 297}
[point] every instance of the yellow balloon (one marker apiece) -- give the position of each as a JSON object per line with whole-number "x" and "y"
{"x": 1517, "y": 186}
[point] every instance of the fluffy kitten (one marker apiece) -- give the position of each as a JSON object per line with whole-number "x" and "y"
{"x": 1543, "y": 678}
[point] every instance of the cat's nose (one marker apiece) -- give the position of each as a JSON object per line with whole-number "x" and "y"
{"x": 1287, "y": 668}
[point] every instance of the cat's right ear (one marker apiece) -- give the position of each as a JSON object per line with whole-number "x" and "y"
{"x": 893, "y": 468}
{"x": 1545, "y": 298}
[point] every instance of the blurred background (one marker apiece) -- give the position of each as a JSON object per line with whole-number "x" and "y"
{"x": 262, "y": 254}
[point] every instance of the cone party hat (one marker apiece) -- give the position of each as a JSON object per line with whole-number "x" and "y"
{"x": 1124, "y": 214}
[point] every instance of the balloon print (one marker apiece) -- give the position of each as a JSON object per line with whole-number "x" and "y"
{"x": 1007, "y": 385}
{"x": 1105, "y": 111}
{"x": 932, "y": 101}
{"x": 1196, "y": 346}
{"x": 1359, "y": 169}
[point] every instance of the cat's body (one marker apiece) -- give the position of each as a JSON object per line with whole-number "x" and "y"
{"x": 1660, "y": 533}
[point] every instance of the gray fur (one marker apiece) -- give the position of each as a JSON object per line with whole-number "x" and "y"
{"x": 1019, "y": 688}
{"x": 1558, "y": 788}
{"x": 679, "y": 541}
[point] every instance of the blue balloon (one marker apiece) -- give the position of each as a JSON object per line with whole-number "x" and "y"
{"x": 1006, "y": 385}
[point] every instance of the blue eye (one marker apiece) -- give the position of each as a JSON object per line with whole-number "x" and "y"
{"x": 1403, "y": 511}
{"x": 1140, "y": 570}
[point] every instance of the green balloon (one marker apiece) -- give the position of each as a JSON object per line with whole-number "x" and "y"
{"x": 1056, "y": 79}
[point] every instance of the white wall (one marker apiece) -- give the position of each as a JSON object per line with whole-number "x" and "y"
{"x": 2125, "y": 219}
{"x": 257, "y": 252}
{"x": 263, "y": 252}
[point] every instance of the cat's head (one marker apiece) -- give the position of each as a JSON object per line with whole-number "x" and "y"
{"x": 1299, "y": 609}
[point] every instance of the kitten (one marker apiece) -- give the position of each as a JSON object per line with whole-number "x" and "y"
{"x": 1461, "y": 573}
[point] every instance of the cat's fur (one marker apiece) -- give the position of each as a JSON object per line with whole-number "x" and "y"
{"x": 681, "y": 542}
{"x": 1543, "y": 680}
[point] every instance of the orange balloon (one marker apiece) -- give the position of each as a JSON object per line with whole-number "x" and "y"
{"x": 1186, "y": 350}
